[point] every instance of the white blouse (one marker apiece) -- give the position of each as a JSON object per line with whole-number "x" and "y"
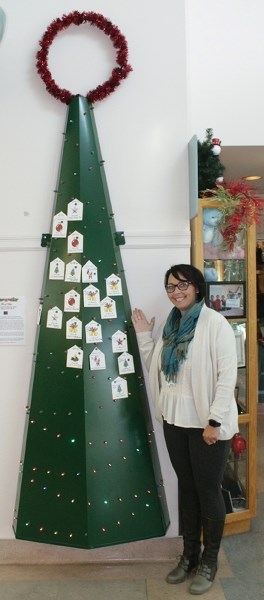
{"x": 176, "y": 401}
{"x": 213, "y": 372}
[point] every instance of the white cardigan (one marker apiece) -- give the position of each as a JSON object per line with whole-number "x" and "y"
{"x": 214, "y": 370}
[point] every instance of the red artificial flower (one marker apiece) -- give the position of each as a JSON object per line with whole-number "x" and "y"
{"x": 240, "y": 207}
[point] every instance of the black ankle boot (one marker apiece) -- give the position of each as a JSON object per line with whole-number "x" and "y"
{"x": 191, "y": 524}
{"x": 203, "y": 579}
{"x": 183, "y": 569}
{"x": 212, "y": 535}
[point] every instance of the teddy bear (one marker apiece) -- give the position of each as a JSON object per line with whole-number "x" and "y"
{"x": 210, "y": 274}
{"x": 214, "y": 247}
{"x": 211, "y": 220}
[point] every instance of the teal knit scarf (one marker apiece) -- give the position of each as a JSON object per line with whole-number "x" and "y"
{"x": 177, "y": 334}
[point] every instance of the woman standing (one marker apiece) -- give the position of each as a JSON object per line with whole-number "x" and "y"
{"x": 193, "y": 370}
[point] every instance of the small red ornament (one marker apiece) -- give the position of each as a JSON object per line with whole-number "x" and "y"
{"x": 71, "y": 301}
{"x": 239, "y": 445}
{"x": 216, "y": 150}
{"x": 75, "y": 242}
{"x": 59, "y": 227}
{"x": 97, "y": 20}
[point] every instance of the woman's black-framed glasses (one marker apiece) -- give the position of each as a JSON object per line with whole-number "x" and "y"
{"x": 182, "y": 286}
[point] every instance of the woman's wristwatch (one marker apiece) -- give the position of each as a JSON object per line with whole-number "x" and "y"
{"x": 214, "y": 423}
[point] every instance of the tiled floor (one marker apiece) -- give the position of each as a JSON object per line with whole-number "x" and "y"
{"x": 99, "y": 582}
{"x": 240, "y": 575}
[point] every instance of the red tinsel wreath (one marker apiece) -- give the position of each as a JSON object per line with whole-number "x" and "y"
{"x": 97, "y": 20}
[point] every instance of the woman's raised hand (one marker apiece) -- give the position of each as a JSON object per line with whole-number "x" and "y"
{"x": 140, "y": 321}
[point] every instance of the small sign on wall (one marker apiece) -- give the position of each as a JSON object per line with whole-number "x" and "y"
{"x": 12, "y": 321}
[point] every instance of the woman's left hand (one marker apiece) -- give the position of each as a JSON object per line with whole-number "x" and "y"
{"x": 211, "y": 434}
{"x": 141, "y": 322}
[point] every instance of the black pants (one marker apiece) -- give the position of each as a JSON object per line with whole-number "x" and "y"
{"x": 199, "y": 468}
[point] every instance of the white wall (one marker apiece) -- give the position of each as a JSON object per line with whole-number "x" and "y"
{"x": 142, "y": 126}
{"x": 142, "y": 129}
{"x": 225, "y": 70}
{"x": 21, "y": 274}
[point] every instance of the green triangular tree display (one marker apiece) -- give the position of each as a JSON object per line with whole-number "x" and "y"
{"x": 90, "y": 475}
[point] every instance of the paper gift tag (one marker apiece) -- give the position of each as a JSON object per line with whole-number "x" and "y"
{"x": 74, "y": 358}
{"x": 93, "y": 332}
{"x": 119, "y": 388}
{"x": 74, "y": 329}
{"x": 75, "y": 242}
{"x": 97, "y": 360}
{"x": 73, "y": 271}
{"x": 119, "y": 341}
{"x": 56, "y": 269}
{"x": 91, "y": 296}
{"x": 126, "y": 363}
{"x": 54, "y": 318}
{"x": 108, "y": 308}
{"x": 59, "y": 225}
{"x": 113, "y": 285}
{"x": 89, "y": 273}
{"x": 72, "y": 301}
{"x": 75, "y": 210}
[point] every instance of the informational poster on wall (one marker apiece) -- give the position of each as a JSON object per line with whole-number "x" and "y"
{"x": 12, "y": 321}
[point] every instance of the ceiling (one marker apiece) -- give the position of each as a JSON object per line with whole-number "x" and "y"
{"x": 241, "y": 161}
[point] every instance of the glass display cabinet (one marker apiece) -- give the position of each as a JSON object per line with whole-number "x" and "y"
{"x": 231, "y": 289}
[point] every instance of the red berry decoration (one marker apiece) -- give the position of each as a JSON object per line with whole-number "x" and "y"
{"x": 239, "y": 445}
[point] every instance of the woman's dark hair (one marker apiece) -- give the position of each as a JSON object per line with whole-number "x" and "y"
{"x": 189, "y": 273}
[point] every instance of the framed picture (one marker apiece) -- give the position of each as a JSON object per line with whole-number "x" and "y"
{"x": 228, "y": 298}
